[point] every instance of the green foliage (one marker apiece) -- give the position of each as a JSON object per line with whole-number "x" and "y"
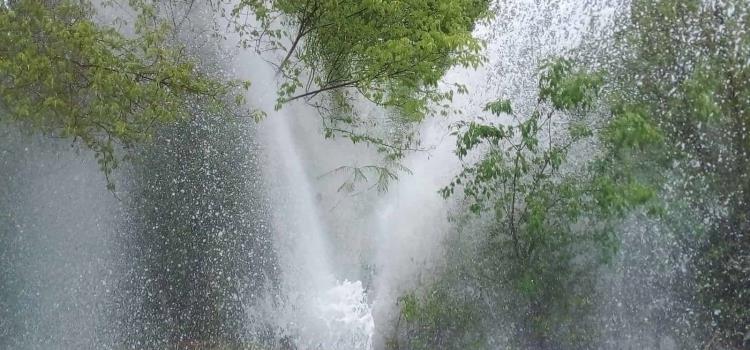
{"x": 630, "y": 128}
{"x": 64, "y": 75}
{"x": 566, "y": 88}
{"x": 499, "y": 107}
{"x": 392, "y": 52}
{"x": 554, "y": 219}
{"x": 681, "y": 71}
{"x": 439, "y": 320}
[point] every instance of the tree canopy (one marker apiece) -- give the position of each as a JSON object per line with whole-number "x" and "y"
{"x": 392, "y": 52}
{"x": 335, "y": 54}
{"x": 67, "y": 76}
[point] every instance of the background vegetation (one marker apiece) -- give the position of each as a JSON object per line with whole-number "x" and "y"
{"x": 663, "y": 121}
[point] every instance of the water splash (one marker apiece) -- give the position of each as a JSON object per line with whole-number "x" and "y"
{"x": 311, "y": 309}
{"x": 347, "y": 317}
{"x": 316, "y": 311}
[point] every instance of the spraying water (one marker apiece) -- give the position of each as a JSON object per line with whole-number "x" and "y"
{"x": 62, "y": 262}
{"x": 317, "y": 308}
{"x": 59, "y": 268}
{"x": 318, "y": 311}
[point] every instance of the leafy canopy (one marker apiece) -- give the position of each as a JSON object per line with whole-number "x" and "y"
{"x": 392, "y": 52}
{"x": 64, "y": 75}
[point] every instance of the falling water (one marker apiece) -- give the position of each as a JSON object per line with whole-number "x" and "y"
{"x": 59, "y": 265}
{"x": 317, "y": 309}
{"x": 336, "y": 264}
{"x": 320, "y": 311}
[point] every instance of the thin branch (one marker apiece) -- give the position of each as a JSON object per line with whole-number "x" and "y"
{"x": 323, "y": 89}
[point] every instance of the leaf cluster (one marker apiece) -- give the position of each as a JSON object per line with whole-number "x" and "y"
{"x": 392, "y": 52}
{"x": 64, "y": 75}
{"x": 554, "y": 219}
{"x": 438, "y": 320}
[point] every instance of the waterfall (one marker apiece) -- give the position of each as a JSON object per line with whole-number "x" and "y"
{"x": 227, "y": 232}
{"x": 319, "y": 311}
{"x": 315, "y": 308}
